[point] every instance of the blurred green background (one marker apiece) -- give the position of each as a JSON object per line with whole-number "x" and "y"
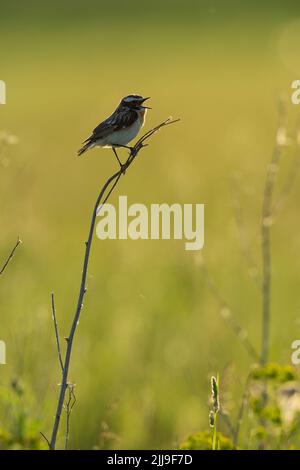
{"x": 151, "y": 333}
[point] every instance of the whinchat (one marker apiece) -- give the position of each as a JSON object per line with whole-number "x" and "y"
{"x": 119, "y": 128}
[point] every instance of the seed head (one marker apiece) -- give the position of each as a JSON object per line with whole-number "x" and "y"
{"x": 215, "y": 394}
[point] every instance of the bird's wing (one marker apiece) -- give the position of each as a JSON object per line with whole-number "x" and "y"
{"x": 117, "y": 121}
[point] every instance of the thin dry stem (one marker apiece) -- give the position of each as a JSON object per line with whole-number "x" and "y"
{"x": 266, "y": 223}
{"x": 241, "y": 412}
{"x": 56, "y": 332}
{"x": 269, "y": 210}
{"x": 46, "y": 439}
{"x": 11, "y": 255}
{"x": 101, "y": 199}
{"x": 69, "y": 406}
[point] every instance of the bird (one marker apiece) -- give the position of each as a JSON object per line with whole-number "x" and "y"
{"x": 120, "y": 128}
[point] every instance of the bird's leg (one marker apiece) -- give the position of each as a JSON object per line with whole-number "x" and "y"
{"x": 115, "y": 152}
{"x": 120, "y": 163}
{"x": 126, "y": 147}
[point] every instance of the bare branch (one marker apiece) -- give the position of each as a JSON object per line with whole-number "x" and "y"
{"x": 46, "y": 439}
{"x": 11, "y": 255}
{"x": 56, "y": 332}
{"x": 101, "y": 199}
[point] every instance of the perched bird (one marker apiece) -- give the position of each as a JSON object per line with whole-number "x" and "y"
{"x": 119, "y": 128}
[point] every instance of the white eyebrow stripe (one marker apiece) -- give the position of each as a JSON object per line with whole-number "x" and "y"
{"x": 128, "y": 99}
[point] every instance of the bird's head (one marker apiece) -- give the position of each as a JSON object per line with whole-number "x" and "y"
{"x": 134, "y": 102}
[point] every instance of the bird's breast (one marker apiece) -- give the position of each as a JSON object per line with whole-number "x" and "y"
{"x": 124, "y": 135}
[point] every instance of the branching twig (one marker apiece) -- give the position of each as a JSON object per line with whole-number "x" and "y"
{"x": 11, "y": 255}
{"x": 46, "y": 439}
{"x": 56, "y": 332}
{"x": 101, "y": 199}
{"x": 69, "y": 406}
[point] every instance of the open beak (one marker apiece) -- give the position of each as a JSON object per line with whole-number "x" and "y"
{"x": 146, "y": 107}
